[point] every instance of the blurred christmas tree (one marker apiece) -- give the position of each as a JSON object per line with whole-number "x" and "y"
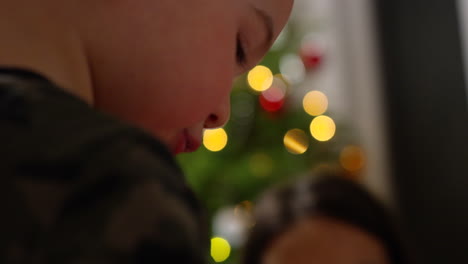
{"x": 275, "y": 133}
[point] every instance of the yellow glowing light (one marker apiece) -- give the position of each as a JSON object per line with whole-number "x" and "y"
{"x": 352, "y": 158}
{"x": 215, "y": 139}
{"x": 322, "y": 128}
{"x": 220, "y": 249}
{"x": 260, "y": 78}
{"x": 315, "y": 103}
{"x": 296, "y": 141}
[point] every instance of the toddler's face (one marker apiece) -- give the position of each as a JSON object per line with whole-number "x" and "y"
{"x": 167, "y": 66}
{"x": 323, "y": 240}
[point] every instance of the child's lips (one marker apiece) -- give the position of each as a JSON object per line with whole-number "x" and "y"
{"x": 186, "y": 143}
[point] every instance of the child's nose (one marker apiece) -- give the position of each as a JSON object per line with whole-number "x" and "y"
{"x": 220, "y": 116}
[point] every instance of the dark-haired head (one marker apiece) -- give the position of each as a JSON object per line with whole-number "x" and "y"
{"x": 331, "y": 199}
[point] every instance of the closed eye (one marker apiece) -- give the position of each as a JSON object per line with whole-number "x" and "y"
{"x": 241, "y": 57}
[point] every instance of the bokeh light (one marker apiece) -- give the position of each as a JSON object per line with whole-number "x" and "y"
{"x": 260, "y": 78}
{"x": 296, "y": 141}
{"x": 220, "y": 249}
{"x": 352, "y": 158}
{"x": 277, "y": 90}
{"x": 261, "y": 164}
{"x": 292, "y": 67}
{"x": 215, "y": 139}
{"x": 273, "y": 98}
{"x": 322, "y": 128}
{"x": 231, "y": 225}
{"x": 315, "y": 103}
{"x": 312, "y": 50}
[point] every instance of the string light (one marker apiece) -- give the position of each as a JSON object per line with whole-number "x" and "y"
{"x": 312, "y": 50}
{"x": 322, "y": 128}
{"x": 352, "y": 158}
{"x": 292, "y": 67}
{"x": 260, "y": 78}
{"x": 296, "y": 141}
{"x": 277, "y": 90}
{"x": 215, "y": 139}
{"x": 273, "y": 98}
{"x": 315, "y": 103}
{"x": 220, "y": 249}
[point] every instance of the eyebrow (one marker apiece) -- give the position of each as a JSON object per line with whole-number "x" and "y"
{"x": 268, "y": 22}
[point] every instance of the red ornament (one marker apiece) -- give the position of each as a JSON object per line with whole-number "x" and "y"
{"x": 272, "y": 100}
{"x": 312, "y": 56}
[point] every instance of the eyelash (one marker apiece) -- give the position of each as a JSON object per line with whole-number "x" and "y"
{"x": 240, "y": 52}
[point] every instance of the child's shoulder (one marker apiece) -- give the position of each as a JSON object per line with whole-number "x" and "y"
{"x": 89, "y": 180}
{"x": 40, "y": 120}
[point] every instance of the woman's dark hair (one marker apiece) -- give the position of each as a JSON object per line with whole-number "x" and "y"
{"x": 325, "y": 194}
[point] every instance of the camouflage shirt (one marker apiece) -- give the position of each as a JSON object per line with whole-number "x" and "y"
{"x": 78, "y": 186}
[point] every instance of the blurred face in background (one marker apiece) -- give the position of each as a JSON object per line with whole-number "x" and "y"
{"x": 167, "y": 66}
{"x": 323, "y": 240}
